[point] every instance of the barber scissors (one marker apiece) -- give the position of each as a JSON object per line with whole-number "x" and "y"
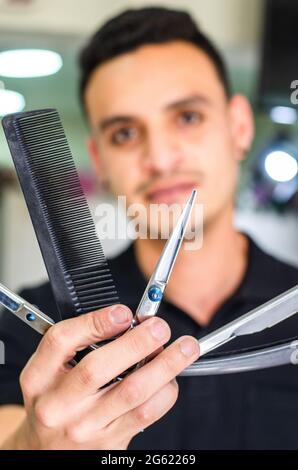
{"x": 150, "y": 300}
{"x": 154, "y": 291}
{"x": 266, "y": 316}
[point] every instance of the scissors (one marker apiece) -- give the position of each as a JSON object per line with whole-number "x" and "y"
{"x": 267, "y": 315}
{"x": 150, "y": 300}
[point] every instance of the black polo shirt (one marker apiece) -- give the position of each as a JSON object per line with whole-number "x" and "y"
{"x": 251, "y": 410}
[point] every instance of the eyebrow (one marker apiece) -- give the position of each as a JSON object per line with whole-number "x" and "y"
{"x": 110, "y": 121}
{"x": 195, "y": 99}
{"x": 126, "y": 119}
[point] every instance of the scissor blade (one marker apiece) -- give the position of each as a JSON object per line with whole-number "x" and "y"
{"x": 25, "y": 311}
{"x": 267, "y": 315}
{"x": 9, "y": 300}
{"x": 171, "y": 249}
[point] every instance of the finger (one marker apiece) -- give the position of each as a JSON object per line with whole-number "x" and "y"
{"x": 135, "y": 421}
{"x": 65, "y": 338}
{"x": 154, "y": 354}
{"x": 139, "y": 386}
{"x": 101, "y": 366}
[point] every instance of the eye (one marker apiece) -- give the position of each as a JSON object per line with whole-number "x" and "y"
{"x": 189, "y": 117}
{"x": 123, "y": 135}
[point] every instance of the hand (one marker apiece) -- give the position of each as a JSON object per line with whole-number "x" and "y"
{"x": 65, "y": 408}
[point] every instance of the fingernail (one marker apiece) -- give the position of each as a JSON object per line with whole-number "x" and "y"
{"x": 189, "y": 347}
{"x": 159, "y": 330}
{"x": 119, "y": 314}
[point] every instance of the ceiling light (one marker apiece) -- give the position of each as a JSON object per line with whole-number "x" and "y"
{"x": 283, "y": 115}
{"x": 281, "y": 166}
{"x": 11, "y": 102}
{"x": 23, "y": 63}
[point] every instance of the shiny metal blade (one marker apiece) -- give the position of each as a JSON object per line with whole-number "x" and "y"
{"x": 25, "y": 311}
{"x": 171, "y": 249}
{"x": 267, "y": 315}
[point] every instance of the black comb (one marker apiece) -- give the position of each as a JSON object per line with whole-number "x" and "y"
{"x": 78, "y": 270}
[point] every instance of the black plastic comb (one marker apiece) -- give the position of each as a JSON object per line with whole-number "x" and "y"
{"x": 78, "y": 270}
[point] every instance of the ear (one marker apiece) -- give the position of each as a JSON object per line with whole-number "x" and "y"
{"x": 96, "y": 160}
{"x": 242, "y": 124}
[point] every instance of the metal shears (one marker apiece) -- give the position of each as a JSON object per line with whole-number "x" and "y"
{"x": 150, "y": 300}
{"x": 267, "y": 315}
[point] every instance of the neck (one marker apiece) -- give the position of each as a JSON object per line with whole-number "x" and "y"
{"x": 203, "y": 279}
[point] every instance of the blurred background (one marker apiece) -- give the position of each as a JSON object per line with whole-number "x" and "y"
{"x": 259, "y": 40}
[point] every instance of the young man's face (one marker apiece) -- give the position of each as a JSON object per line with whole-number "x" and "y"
{"x": 163, "y": 125}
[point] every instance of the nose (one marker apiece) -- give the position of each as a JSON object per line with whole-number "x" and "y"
{"x": 162, "y": 153}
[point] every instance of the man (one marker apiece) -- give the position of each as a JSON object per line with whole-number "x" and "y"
{"x": 162, "y": 121}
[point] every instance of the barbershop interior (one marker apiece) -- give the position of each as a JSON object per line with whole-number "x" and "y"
{"x": 252, "y": 36}
{"x": 40, "y": 42}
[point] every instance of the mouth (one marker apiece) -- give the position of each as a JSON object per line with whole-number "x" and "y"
{"x": 170, "y": 193}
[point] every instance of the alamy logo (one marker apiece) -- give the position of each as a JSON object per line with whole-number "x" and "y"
{"x": 155, "y": 221}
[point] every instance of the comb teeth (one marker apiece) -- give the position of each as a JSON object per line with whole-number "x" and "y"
{"x": 78, "y": 270}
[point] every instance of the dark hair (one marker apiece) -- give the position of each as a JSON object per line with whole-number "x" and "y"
{"x": 135, "y": 28}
